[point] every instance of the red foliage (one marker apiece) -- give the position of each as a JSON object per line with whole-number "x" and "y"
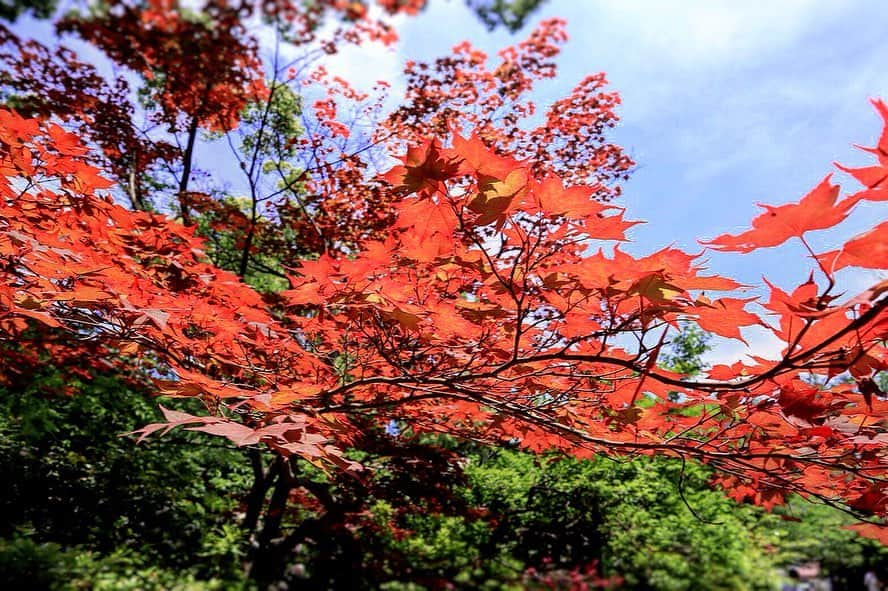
{"x": 481, "y": 314}
{"x": 54, "y": 82}
{"x": 170, "y": 49}
{"x": 460, "y": 92}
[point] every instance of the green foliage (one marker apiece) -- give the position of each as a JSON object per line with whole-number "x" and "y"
{"x": 269, "y": 127}
{"x": 511, "y": 14}
{"x": 627, "y": 516}
{"x": 802, "y": 532}
{"x": 26, "y": 565}
{"x": 655, "y": 540}
{"x": 686, "y": 350}
{"x": 78, "y": 493}
{"x": 12, "y": 9}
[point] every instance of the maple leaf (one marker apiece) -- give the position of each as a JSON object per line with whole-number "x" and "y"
{"x": 868, "y": 250}
{"x": 174, "y": 418}
{"x": 608, "y": 227}
{"x": 803, "y": 400}
{"x": 724, "y": 316}
{"x": 874, "y": 500}
{"x": 815, "y": 211}
{"x": 235, "y": 432}
{"x": 479, "y": 160}
{"x": 575, "y": 202}
{"x": 429, "y": 225}
{"x": 656, "y": 288}
{"x": 425, "y": 168}
{"x": 869, "y": 388}
{"x": 874, "y": 178}
{"x": 496, "y": 196}
{"x": 158, "y": 317}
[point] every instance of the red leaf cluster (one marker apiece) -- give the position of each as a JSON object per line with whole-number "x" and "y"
{"x": 498, "y": 307}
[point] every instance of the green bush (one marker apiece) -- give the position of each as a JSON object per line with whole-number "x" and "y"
{"x": 75, "y": 489}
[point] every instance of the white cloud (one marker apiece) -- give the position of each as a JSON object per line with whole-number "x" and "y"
{"x": 701, "y": 32}
{"x": 366, "y": 64}
{"x": 361, "y": 65}
{"x": 853, "y": 281}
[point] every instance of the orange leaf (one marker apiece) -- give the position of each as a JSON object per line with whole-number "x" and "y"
{"x": 424, "y": 168}
{"x": 724, "y": 316}
{"x": 815, "y": 211}
{"x": 871, "y": 530}
{"x": 497, "y": 195}
{"x": 575, "y": 202}
{"x": 868, "y": 250}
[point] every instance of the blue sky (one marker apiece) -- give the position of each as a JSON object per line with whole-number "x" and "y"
{"x": 725, "y": 104}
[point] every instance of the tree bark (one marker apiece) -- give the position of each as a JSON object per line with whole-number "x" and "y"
{"x": 184, "y": 201}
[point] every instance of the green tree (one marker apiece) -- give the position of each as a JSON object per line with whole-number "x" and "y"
{"x": 12, "y": 9}
{"x": 510, "y": 14}
{"x": 82, "y": 502}
{"x": 686, "y": 350}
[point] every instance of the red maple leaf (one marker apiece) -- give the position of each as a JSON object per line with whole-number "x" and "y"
{"x": 816, "y": 210}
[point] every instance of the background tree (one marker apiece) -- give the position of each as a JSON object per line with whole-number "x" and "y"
{"x": 39, "y": 8}
{"x": 511, "y": 14}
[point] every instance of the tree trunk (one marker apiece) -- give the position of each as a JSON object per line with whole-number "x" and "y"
{"x": 184, "y": 201}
